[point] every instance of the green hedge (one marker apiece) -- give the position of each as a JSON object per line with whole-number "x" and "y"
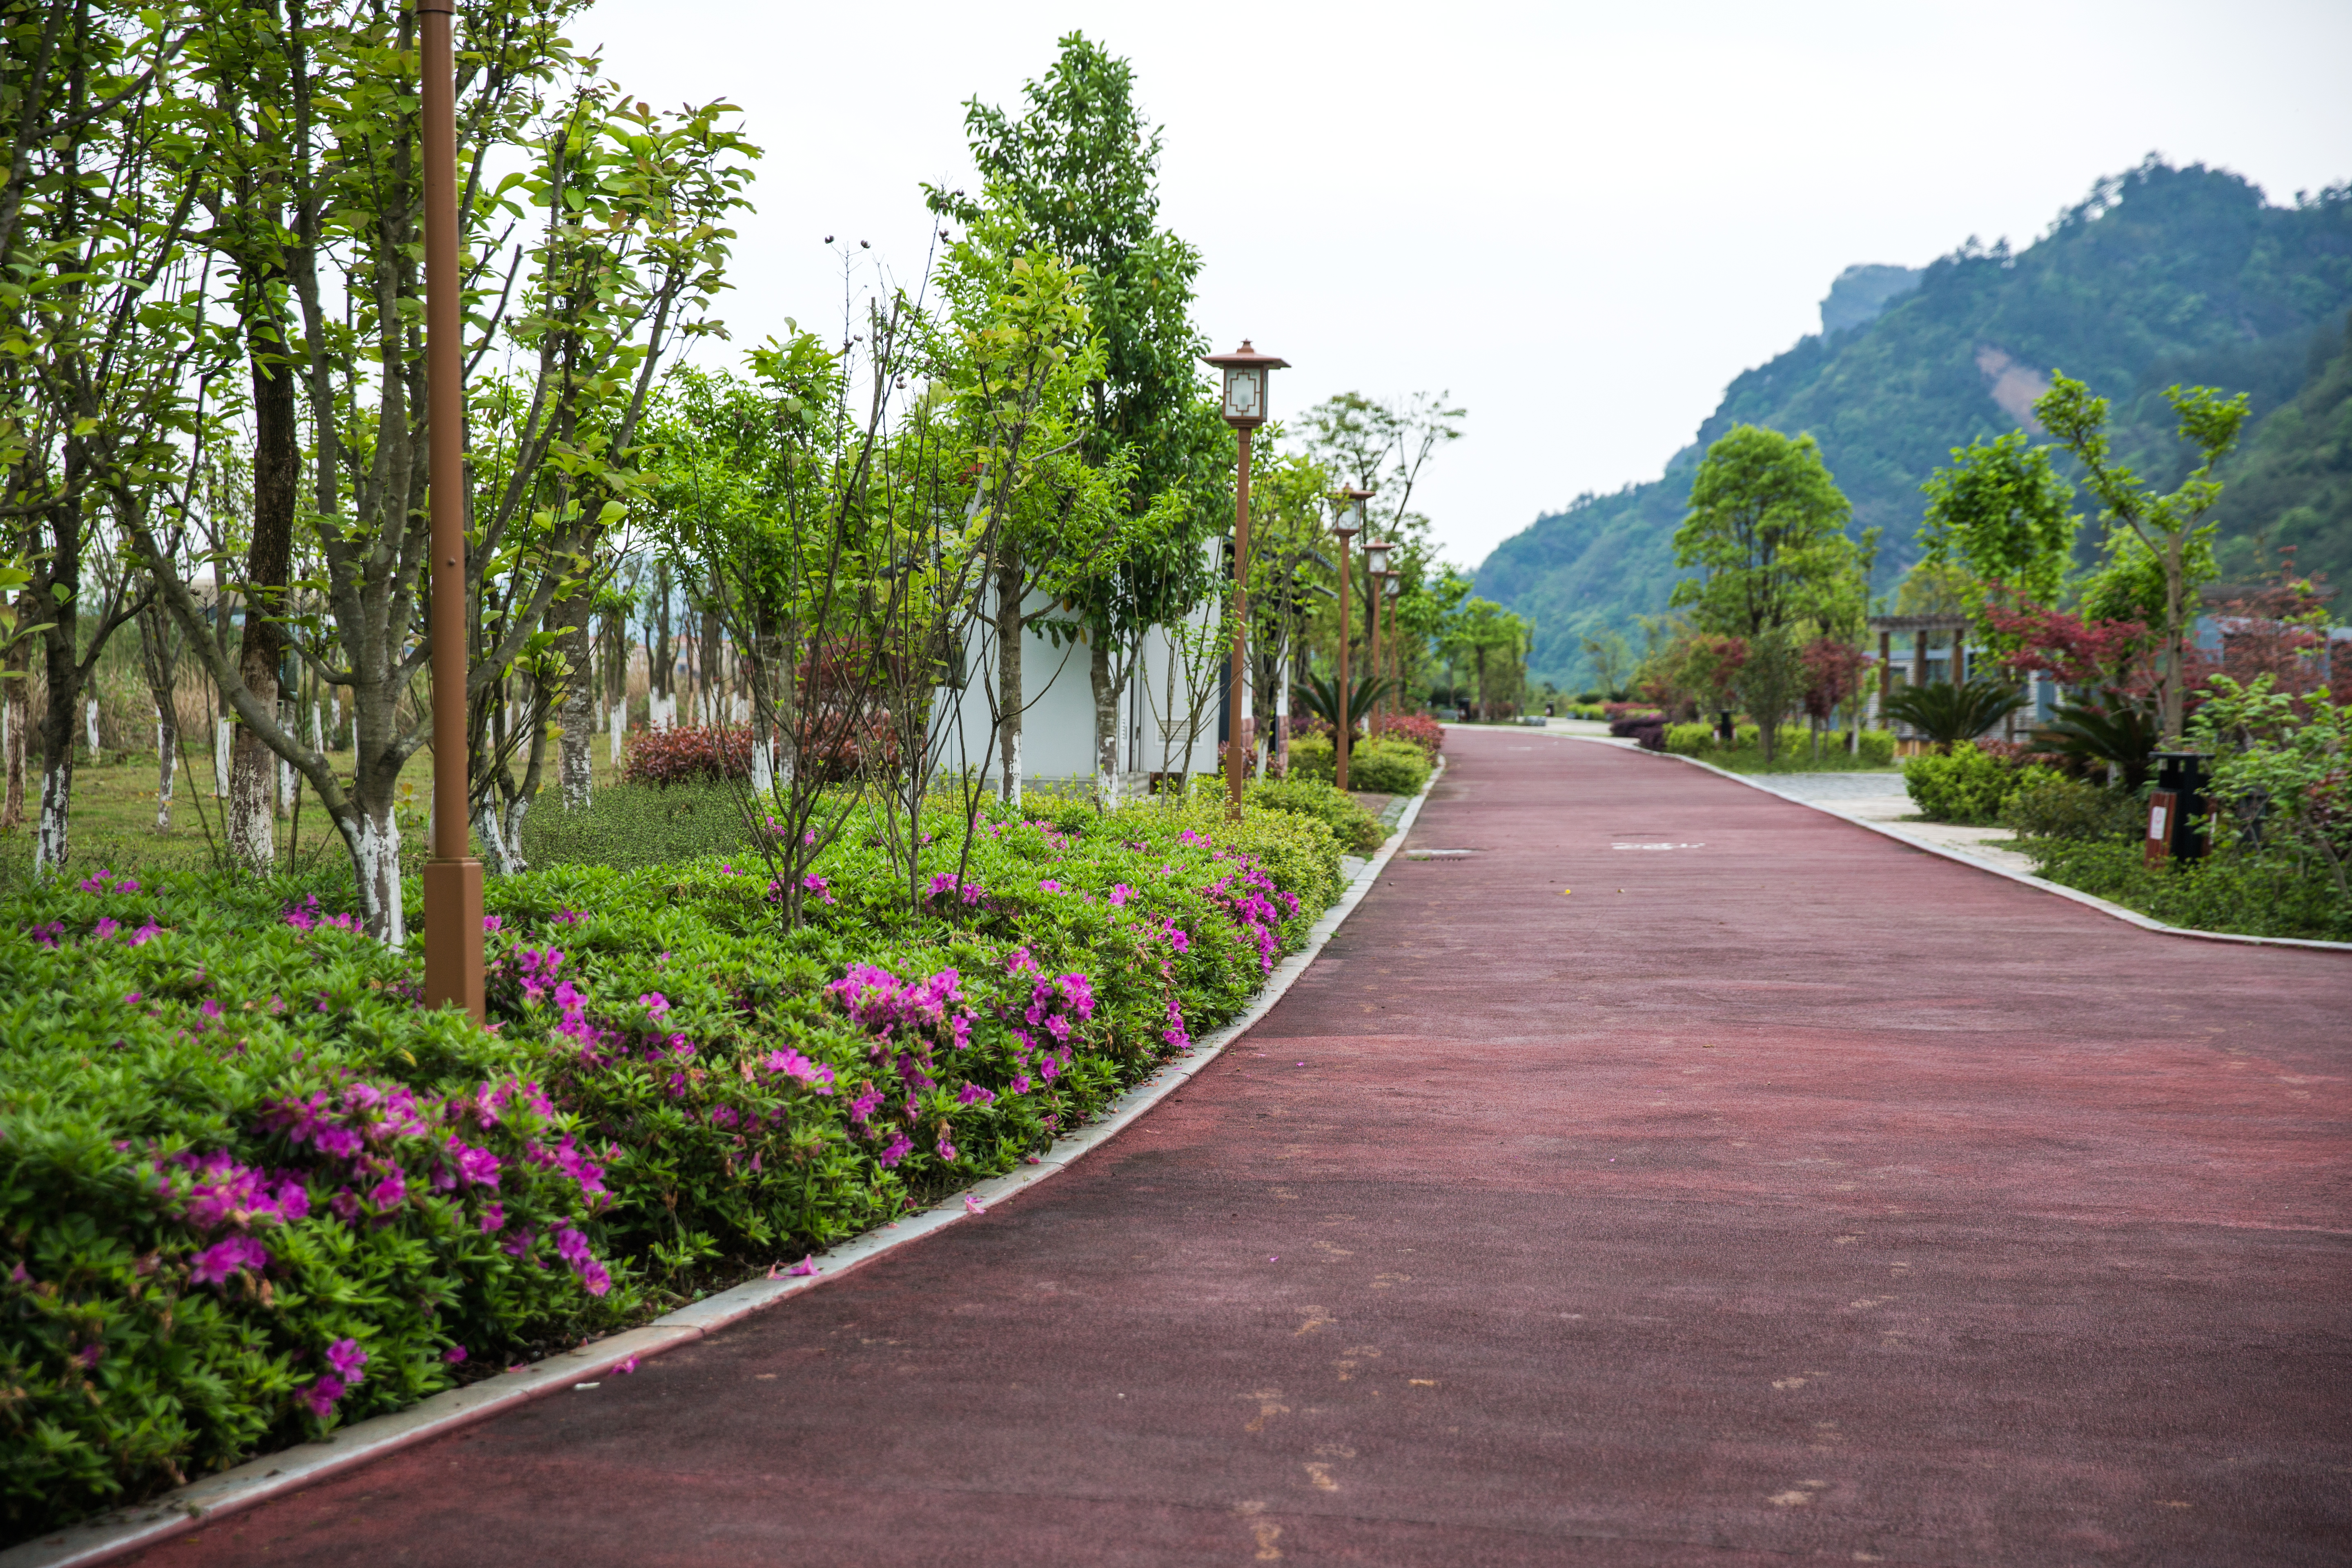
{"x": 2232, "y": 890}
{"x": 249, "y": 1190}
{"x": 1967, "y": 786}
{"x": 1377, "y": 766}
{"x": 1358, "y": 830}
{"x": 1795, "y": 751}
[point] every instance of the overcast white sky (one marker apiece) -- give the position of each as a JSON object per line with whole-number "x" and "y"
{"x": 1582, "y": 220}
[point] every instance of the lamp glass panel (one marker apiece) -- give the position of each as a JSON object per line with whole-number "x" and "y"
{"x": 1246, "y": 394}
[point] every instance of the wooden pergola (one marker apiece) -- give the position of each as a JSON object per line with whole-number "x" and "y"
{"x": 1921, "y": 627}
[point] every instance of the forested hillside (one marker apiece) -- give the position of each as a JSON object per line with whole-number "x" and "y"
{"x": 2161, "y": 275}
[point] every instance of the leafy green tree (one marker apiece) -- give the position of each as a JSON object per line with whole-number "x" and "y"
{"x": 1077, "y": 173}
{"x": 1494, "y": 641}
{"x": 1384, "y": 446}
{"x": 626, "y": 248}
{"x": 1767, "y": 532}
{"x": 2159, "y": 546}
{"x": 103, "y": 344}
{"x": 2001, "y": 511}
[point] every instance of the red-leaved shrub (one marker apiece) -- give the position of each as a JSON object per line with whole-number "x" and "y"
{"x": 665, "y": 757}
{"x": 1419, "y": 728}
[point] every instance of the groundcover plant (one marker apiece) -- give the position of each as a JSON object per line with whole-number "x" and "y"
{"x": 249, "y": 1190}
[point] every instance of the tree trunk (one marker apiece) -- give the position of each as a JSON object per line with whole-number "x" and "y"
{"x": 372, "y": 834}
{"x": 709, "y": 669}
{"x": 17, "y": 696}
{"x": 52, "y": 842}
{"x": 59, "y": 605}
{"x": 490, "y": 832}
{"x": 167, "y": 745}
{"x": 1107, "y": 689}
{"x": 1008, "y": 668}
{"x": 276, "y": 480}
{"x": 574, "y": 768}
{"x": 661, "y": 655}
{"x": 155, "y": 658}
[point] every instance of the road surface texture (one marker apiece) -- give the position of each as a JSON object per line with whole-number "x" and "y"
{"x": 1778, "y": 1193}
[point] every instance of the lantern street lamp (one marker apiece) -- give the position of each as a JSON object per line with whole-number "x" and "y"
{"x": 1246, "y": 371}
{"x": 1396, "y": 640}
{"x": 1375, "y": 553}
{"x": 453, "y": 877}
{"x": 1383, "y": 581}
{"x": 1343, "y": 732}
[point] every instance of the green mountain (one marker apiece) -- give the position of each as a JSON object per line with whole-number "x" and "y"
{"x": 2161, "y": 274}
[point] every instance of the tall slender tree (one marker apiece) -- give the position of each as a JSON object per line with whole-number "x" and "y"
{"x": 1077, "y": 171}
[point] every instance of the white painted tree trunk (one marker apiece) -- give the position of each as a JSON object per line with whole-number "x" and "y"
{"x": 224, "y": 733}
{"x": 89, "y": 716}
{"x": 497, "y": 860}
{"x": 252, "y": 827}
{"x": 514, "y": 832}
{"x": 575, "y": 769}
{"x": 1105, "y": 689}
{"x": 50, "y": 839}
{"x": 763, "y": 768}
{"x": 374, "y": 845}
{"x": 1282, "y": 717}
{"x": 166, "y": 756}
{"x": 620, "y": 734}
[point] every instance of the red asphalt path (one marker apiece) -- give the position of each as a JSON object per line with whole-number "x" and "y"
{"x": 1787, "y": 1193}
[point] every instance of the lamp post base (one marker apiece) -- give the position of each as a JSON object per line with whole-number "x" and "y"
{"x": 453, "y": 934}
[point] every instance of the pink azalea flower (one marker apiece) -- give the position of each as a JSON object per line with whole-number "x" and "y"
{"x": 216, "y": 1262}
{"x": 346, "y": 1357}
{"x": 454, "y": 1355}
{"x": 321, "y": 1397}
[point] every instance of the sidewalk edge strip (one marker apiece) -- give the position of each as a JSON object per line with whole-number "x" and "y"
{"x": 110, "y": 1536}
{"x": 2091, "y": 900}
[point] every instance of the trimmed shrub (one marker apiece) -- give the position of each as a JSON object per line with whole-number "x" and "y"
{"x": 1961, "y": 786}
{"x": 1382, "y": 766}
{"x": 1375, "y": 766}
{"x": 1418, "y": 729}
{"x": 698, "y": 752}
{"x": 1796, "y": 748}
{"x": 2047, "y": 804}
{"x": 2250, "y": 893}
{"x": 1358, "y": 830}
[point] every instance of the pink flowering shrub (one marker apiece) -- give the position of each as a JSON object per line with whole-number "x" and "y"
{"x": 250, "y": 1190}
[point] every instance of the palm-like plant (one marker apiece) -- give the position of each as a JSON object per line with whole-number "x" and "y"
{"x": 1321, "y": 698}
{"x": 1946, "y": 714}
{"x": 2122, "y": 739}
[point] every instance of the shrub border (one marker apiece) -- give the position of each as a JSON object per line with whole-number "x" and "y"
{"x": 1886, "y": 831}
{"x": 118, "y": 1532}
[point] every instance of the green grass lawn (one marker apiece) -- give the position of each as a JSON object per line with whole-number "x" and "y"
{"x": 113, "y": 821}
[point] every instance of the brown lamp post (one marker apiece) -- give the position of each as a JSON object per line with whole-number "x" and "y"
{"x": 1343, "y": 732}
{"x": 1393, "y": 593}
{"x": 453, "y": 877}
{"x": 1246, "y": 371}
{"x": 1380, "y": 590}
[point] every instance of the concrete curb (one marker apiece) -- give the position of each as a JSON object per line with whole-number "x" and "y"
{"x": 2090, "y": 900}
{"x": 116, "y": 1534}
